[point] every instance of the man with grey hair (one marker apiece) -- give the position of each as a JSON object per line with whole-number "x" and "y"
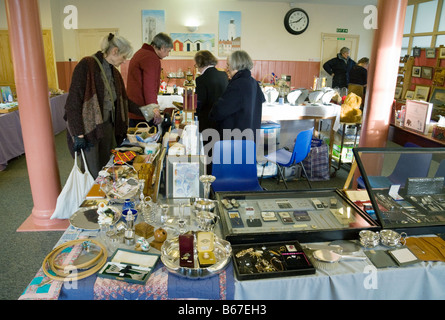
{"x": 144, "y": 76}
{"x": 339, "y": 68}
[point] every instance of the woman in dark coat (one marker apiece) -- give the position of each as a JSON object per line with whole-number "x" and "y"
{"x": 240, "y": 106}
{"x": 210, "y": 85}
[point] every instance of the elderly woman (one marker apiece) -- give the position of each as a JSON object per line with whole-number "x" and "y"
{"x": 210, "y": 85}
{"x": 240, "y": 106}
{"x": 97, "y": 105}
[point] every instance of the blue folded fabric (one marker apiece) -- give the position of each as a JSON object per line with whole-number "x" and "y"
{"x": 207, "y": 288}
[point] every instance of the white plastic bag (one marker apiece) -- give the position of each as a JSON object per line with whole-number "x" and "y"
{"x": 73, "y": 193}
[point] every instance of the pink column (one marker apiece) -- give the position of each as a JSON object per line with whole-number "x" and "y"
{"x": 382, "y": 78}
{"x": 383, "y": 70}
{"x": 26, "y": 41}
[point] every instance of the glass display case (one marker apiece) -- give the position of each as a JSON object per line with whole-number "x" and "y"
{"x": 405, "y": 186}
{"x": 305, "y": 216}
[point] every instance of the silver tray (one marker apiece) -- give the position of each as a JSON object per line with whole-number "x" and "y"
{"x": 170, "y": 258}
{"x": 80, "y": 220}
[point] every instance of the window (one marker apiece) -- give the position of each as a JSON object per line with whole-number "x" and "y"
{"x": 421, "y": 28}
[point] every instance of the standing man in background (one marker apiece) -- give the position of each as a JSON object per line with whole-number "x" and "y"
{"x": 144, "y": 73}
{"x": 339, "y": 68}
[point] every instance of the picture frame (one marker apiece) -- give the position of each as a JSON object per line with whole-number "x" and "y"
{"x": 182, "y": 176}
{"x": 430, "y": 53}
{"x": 398, "y": 92}
{"x": 416, "y": 72}
{"x": 409, "y": 94}
{"x": 416, "y": 52}
{"x": 417, "y": 115}
{"x": 439, "y": 76}
{"x": 6, "y": 94}
{"x": 421, "y": 93}
{"x": 427, "y": 73}
{"x": 442, "y": 53}
{"x": 438, "y": 97}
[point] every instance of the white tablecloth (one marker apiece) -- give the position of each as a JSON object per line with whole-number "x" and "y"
{"x": 276, "y": 112}
{"x": 167, "y": 101}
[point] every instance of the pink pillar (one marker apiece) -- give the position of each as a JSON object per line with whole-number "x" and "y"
{"x": 26, "y": 41}
{"x": 383, "y": 70}
{"x": 382, "y": 78}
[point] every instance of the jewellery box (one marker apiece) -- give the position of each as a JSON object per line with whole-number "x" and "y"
{"x": 130, "y": 265}
{"x": 270, "y": 260}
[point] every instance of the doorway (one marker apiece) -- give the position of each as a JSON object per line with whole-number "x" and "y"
{"x": 331, "y": 45}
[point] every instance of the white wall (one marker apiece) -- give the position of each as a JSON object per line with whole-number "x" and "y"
{"x": 263, "y": 33}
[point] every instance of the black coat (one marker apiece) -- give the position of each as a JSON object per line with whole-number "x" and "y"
{"x": 358, "y": 75}
{"x": 340, "y": 69}
{"x": 240, "y": 106}
{"x": 209, "y": 87}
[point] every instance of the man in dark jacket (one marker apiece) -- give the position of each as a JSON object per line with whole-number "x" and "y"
{"x": 339, "y": 68}
{"x": 240, "y": 106}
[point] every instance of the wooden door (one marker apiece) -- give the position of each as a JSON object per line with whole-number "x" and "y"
{"x": 6, "y": 66}
{"x": 88, "y": 41}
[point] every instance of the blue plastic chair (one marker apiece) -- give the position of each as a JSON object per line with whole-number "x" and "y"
{"x": 234, "y": 166}
{"x": 284, "y": 158}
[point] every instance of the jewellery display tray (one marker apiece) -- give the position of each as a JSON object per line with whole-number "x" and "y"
{"x": 268, "y": 216}
{"x": 270, "y": 260}
{"x": 405, "y": 186}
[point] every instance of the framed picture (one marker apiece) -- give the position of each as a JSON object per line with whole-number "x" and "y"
{"x": 442, "y": 53}
{"x": 427, "y": 72}
{"x": 6, "y": 94}
{"x": 439, "y": 77}
{"x": 430, "y": 53}
{"x": 438, "y": 97}
{"x": 417, "y": 115}
{"x": 409, "y": 94}
{"x": 417, "y": 71}
{"x": 182, "y": 176}
{"x": 416, "y": 52}
{"x": 398, "y": 93}
{"x": 421, "y": 93}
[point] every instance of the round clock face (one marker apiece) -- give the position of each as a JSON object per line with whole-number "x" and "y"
{"x": 296, "y": 21}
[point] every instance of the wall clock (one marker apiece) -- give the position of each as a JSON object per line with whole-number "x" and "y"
{"x": 296, "y": 21}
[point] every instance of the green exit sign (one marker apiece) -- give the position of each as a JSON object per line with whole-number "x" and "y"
{"x": 341, "y": 30}
{"x": 341, "y": 39}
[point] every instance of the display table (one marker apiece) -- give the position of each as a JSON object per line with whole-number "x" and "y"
{"x": 11, "y": 139}
{"x": 401, "y": 136}
{"x": 354, "y": 280}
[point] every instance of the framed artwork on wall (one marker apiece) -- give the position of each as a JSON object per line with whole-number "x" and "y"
{"x": 439, "y": 77}
{"x": 417, "y": 71}
{"x": 409, "y": 94}
{"x": 229, "y": 28}
{"x": 430, "y": 53}
{"x": 421, "y": 93}
{"x": 153, "y": 22}
{"x": 398, "y": 93}
{"x": 416, "y": 52}
{"x": 438, "y": 97}
{"x": 442, "y": 53}
{"x": 427, "y": 73}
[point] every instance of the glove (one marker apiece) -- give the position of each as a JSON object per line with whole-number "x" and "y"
{"x": 81, "y": 144}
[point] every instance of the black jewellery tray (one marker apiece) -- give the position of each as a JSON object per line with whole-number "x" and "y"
{"x": 270, "y": 260}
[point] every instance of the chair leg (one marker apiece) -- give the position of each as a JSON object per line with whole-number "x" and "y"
{"x": 280, "y": 170}
{"x": 262, "y": 173}
{"x": 305, "y": 174}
